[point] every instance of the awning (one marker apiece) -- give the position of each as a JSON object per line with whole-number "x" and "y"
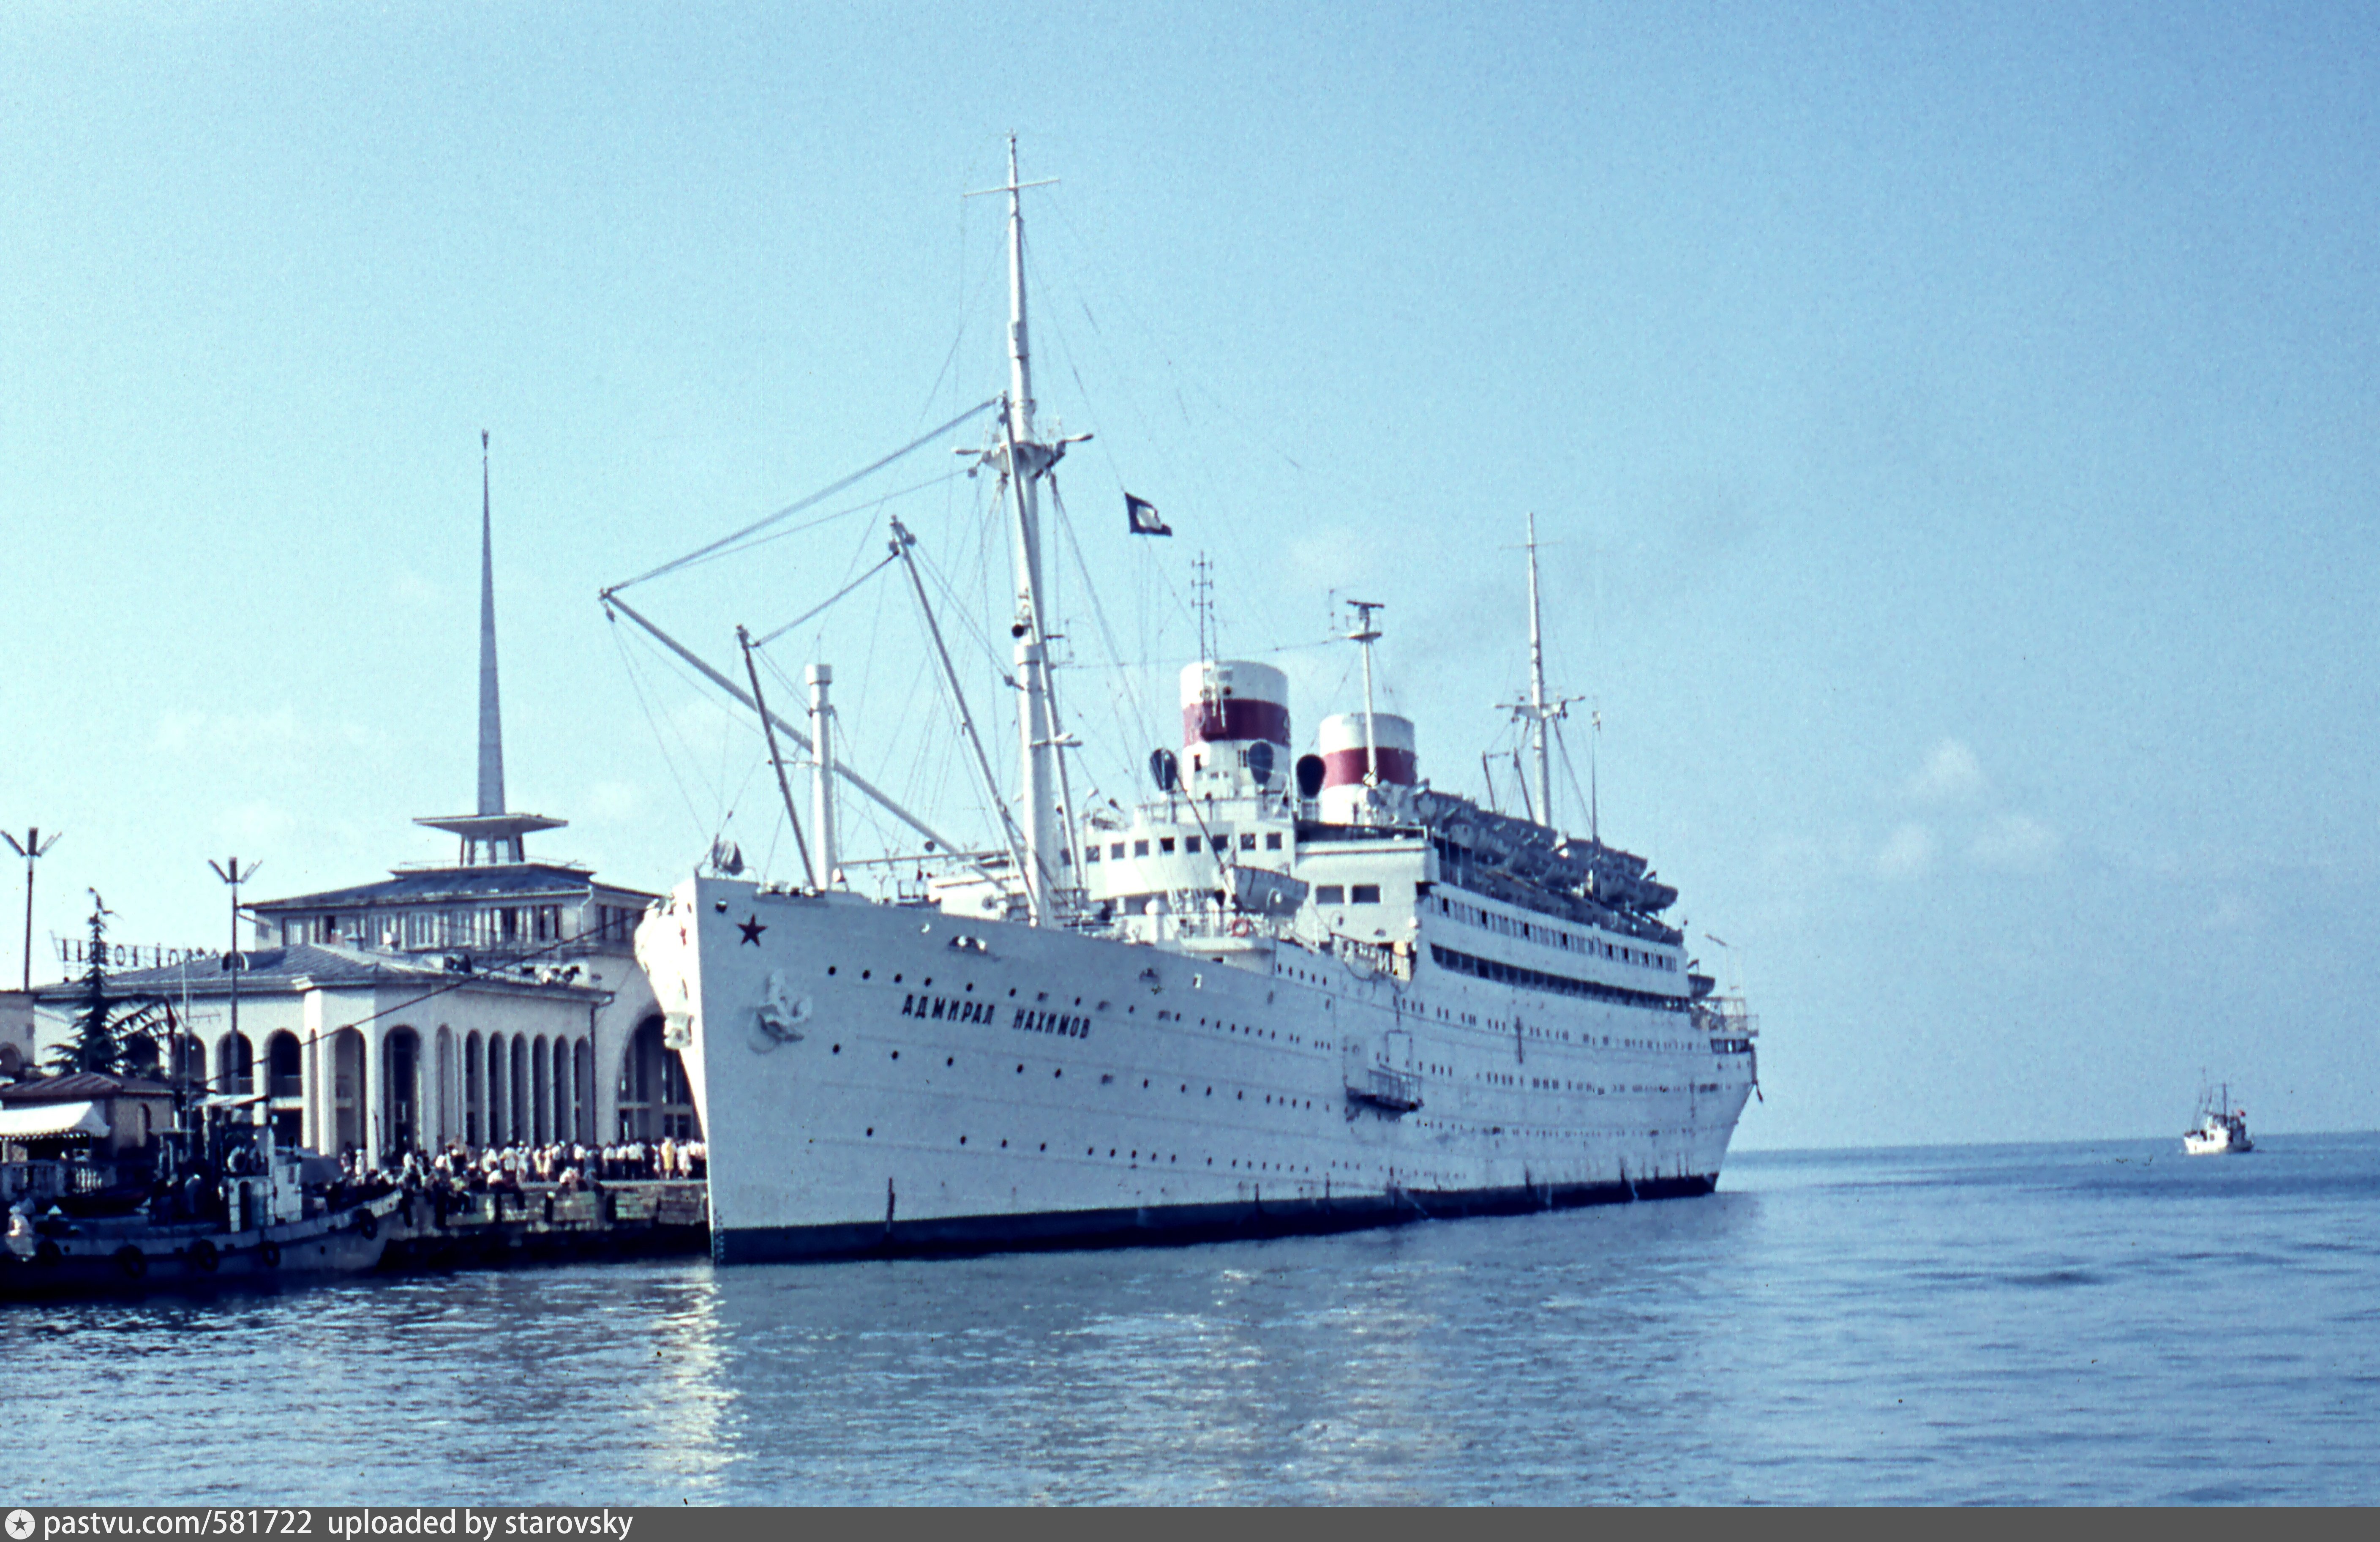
{"x": 231, "y": 1100}
{"x": 51, "y": 1119}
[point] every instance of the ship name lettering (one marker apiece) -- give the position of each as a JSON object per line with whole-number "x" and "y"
{"x": 1027, "y": 1020}
{"x": 938, "y": 1009}
{"x": 956, "y": 1009}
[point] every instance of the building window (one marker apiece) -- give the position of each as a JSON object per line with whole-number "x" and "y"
{"x": 1368, "y": 893}
{"x": 1329, "y": 893}
{"x": 1272, "y": 840}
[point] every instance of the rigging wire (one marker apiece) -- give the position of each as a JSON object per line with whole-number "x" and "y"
{"x": 822, "y": 607}
{"x": 636, "y": 683}
{"x": 809, "y": 502}
{"x": 1131, "y": 682}
{"x": 868, "y": 505}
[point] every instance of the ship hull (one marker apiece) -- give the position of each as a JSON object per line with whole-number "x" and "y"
{"x": 876, "y": 1079}
{"x": 1174, "y": 1225}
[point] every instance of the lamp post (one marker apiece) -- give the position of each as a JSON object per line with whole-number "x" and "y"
{"x": 32, "y": 849}
{"x": 235, "y": 877}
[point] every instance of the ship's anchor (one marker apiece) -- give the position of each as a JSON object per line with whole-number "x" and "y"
{"x": 774, "y": 1017}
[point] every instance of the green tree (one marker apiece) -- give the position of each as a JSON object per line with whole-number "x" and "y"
{"x": 103, "y": 1040}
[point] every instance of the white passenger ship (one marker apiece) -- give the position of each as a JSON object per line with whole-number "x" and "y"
{"x": 1279, "y": 996}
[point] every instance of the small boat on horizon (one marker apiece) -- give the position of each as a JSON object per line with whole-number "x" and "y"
{"x": 2221, "y": 1130}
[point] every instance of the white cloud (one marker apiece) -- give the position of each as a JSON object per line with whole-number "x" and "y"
{"x": 1951, "y": 774}
{"x": 2016, "y": 841}
{"x": 1908, "y": 851}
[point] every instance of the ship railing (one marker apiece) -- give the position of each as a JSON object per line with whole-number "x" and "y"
{"x": 1724, "y": 1016}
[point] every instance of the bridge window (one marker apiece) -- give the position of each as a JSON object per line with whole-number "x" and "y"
{"x": 1331, "y": 894}
{"x": 1368, "y": 893}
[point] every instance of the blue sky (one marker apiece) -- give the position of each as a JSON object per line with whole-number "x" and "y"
{"x": 1954, "y": 431}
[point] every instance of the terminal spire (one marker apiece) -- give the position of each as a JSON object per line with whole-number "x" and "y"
{"x": 491, "y": 728}
{"x": 489, "y": 833}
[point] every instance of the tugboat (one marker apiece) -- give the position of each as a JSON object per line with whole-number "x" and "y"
{"x": 228, "y": 1206}
{"x": 2222, "y": 1130}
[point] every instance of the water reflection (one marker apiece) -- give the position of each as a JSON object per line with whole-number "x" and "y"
{"x": 1926, "y": 1327}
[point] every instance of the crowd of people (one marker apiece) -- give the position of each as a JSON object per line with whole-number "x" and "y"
{"x": 568, "y": 1166}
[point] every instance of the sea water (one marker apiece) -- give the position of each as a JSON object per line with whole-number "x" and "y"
{"x": 2100, "y": 1323}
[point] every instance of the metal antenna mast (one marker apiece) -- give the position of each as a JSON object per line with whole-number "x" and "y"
{"x": 1363, "y": 637}
{"x": 1202, "y": 599}
{"x": 33, "y": 850}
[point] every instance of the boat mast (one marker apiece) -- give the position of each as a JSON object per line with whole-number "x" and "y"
{"x": 1023, "y": 460}
{"x": 1537, "y": 709}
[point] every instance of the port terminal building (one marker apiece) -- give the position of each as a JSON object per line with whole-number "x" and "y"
{"x": 491, "y": 1000}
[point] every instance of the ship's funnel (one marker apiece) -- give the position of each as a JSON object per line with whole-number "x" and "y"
{"x": 1346, "y": 798}
{"x": 1234, "y": 727}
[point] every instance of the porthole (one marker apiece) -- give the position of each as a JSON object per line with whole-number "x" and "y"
{"x": 1058, "y": 1073}
{"x": 864, "y": 973}
{"x": 962, "y": 1141}
{"x": 829, "y": 968}
{"x": 896, "y": 1054}
{"x": 837, "y": 1050}
{"x": 949, "y": 1059}
{"x": 1020, "y": 1068}
{"x": 872, "y": 1129}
